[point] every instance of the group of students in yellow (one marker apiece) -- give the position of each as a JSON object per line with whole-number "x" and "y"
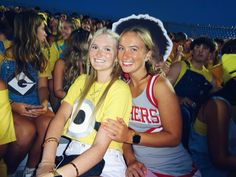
{"x": 161, "y": 122}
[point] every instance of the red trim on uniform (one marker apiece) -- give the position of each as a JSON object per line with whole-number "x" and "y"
{"x": 194, "y": 170}
{"x": 154, "y": 100}
{"x": 150, "y": 130}
{"x": 153, "y": 95}
{"x": 147, "y": 90}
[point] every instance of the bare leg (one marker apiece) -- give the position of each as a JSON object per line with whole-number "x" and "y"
{"x": 16, "y": 151}
{"x": 35, "y": 153}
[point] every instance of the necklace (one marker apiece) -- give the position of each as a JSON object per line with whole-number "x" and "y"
{"x": 96, "y": 91}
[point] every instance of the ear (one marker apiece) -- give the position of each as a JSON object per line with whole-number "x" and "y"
{"x": 148, "y": 56}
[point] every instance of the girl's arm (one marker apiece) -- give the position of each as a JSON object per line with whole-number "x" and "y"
{"x": 52, "y": 138}
{"x": 43, "y": 91}
{"x": 174, "y": 72}
{"x": 89, "y": 158}
{"x": 133, "y": 166}
{"x": 58, "y": 78}
{"x": 170, "y": 116}
{"x": 218, "y": 118}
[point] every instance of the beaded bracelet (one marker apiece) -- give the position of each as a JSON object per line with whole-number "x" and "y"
{"x": 77, "y": 171}
{"x": 50, "y": 139}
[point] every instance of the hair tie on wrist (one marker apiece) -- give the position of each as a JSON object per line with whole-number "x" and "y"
{"x": 77, "y": 171}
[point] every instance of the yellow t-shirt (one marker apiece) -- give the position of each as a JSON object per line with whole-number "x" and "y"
{"x": 229, "y": 66}
{"x": 7, "y": 133}
{"x": 200, "y": 127}
{"x": 55, "y": 52}
{"x": 204, "y": 71}
{"x": 7, "y": 44}
{"x": 47, "y": 72}
{"x": 118, "y": 103}
{"x": 187, "y": 56}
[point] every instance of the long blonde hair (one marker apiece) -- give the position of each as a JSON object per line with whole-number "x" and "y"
{"x": 75, "y": 54}
{"x": 92, "y": 73}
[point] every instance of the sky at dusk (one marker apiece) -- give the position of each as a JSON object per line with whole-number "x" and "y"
{"x": 214, "y": 12}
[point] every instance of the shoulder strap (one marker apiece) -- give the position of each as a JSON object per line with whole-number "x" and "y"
{"x": 187, "y": 63}
{"x": 150, "y": 90}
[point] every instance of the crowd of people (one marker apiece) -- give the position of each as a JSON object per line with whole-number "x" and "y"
{"x": 130, "y": 98}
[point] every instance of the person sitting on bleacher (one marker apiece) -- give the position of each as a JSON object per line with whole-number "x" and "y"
{"x": 212, "y": 142}
{"x": 68, "y": 68}
{"x": 192, "y": 81}
{"x": 28, "y": 91}
{"x": 7, "y": 133}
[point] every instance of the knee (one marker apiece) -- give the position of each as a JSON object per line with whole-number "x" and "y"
{"x": 43, "y": 122}
{"x": 25, "y": 134}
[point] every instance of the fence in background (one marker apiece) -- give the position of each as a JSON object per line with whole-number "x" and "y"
{"x": 196, "y": 30}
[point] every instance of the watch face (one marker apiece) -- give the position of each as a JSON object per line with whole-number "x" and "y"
{"x": 136, "y": 139}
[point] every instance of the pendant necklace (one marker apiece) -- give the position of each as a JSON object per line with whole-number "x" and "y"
{"x": 96, "y": 91}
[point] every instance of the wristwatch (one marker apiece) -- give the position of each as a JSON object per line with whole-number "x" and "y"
{"x": 136, "y": 138}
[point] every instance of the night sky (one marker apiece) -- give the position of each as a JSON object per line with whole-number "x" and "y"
{"x": 214, "y": 12}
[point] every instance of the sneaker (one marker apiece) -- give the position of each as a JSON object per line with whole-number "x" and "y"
{"x": 29, "y": 172}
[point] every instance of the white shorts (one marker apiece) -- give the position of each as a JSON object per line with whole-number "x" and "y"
{"x": 114, "y": 162}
